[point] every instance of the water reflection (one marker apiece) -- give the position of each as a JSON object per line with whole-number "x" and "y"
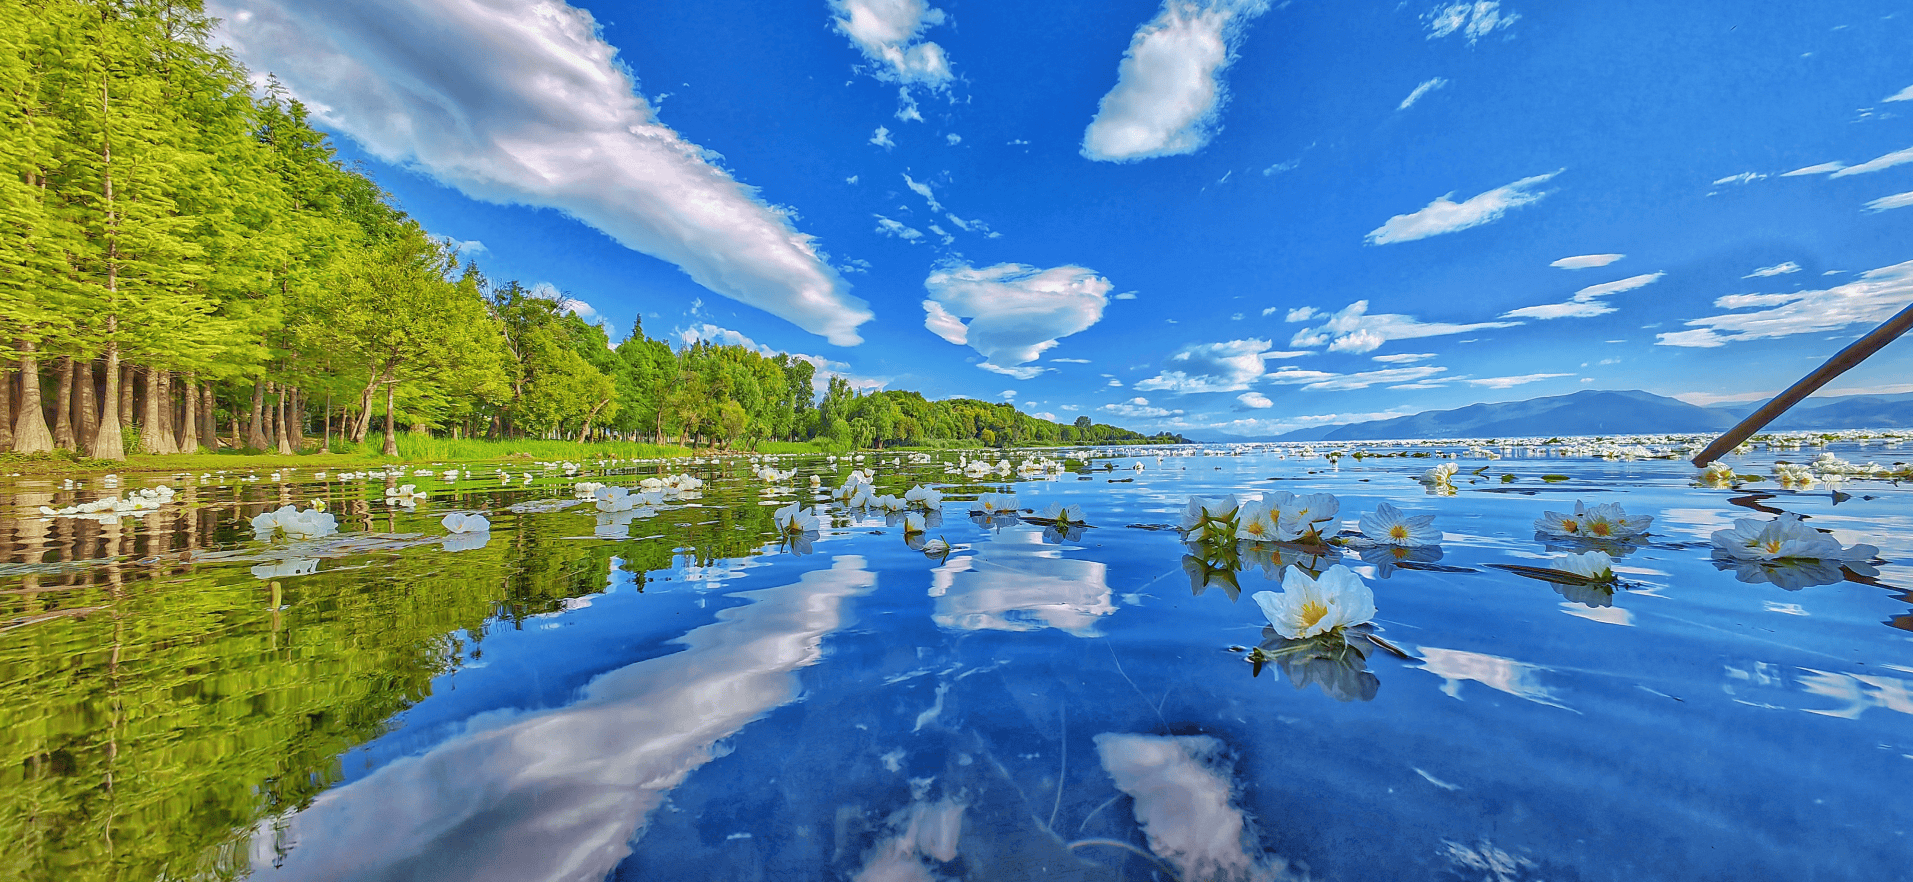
{"x": 562, "y": 794}
{"x": 1330, "y": 661}
{"x": 1183, "y": 790}
{"x": 1015, "y": 583}
{"x": 1454, "y": 666}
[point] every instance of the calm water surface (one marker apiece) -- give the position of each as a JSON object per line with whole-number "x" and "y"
{"x": 679, "y": 696}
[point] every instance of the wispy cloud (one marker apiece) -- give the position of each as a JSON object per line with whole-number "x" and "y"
{"x": 1015, "y": 311}
{"x": 527, "y": 104}
{"x": 1404, "y": 357}
{"x": 1820, "y": 169}
{"x": 1509, "y": 382}
{"x": 1742, "y": 178}
{"x": 1472, "y": 20}
{"x": 1322, "y": 381}
{"x": 1353, "y": 330}
{"x": 894, "y": 228}
{"x": 1778, "y": 269}
{"x": 1873, "y": 297}
{"x": 1586, "y": 302}
{"x": 1139, "y": 408}
{"x": 1586, "y": 261}
{"x": 1897, "y": 157}
{"x": 1229, "y": 366}
{"x": 1426, "y": 87}
{"x": 881, "y": 138}
{"x": 1905, "y": 94}
{"x": 1169, "y": 89}
{"x": 1897, "y": 200}
{"x": 1444, "y": 215}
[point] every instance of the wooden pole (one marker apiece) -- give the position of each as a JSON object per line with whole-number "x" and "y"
{"x": 1839, "y": 364}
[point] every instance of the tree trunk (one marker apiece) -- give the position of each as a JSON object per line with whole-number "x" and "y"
{"x": 328, "y": 422}
{"x": 152, "y": 438}
{"x": 109, "y": 440}
{"x": 86, "y": 405}
{"x": 210, "y": 421}
{"x": 271, "y": 421}
{"x": 167, "y": 430}
{"x": 125, "y": 381}
{"x": 296, "y": 420}
{"x": 189, "y": 412}
{"x": 256, "y": 430}
{"x": 363, "y": 423}
{"x": 391, "y": 437}
{"x": 6, "y": 407}
{"x": 63, "y": 436}
{"x": 585, "y": 433}
{"x": 281, "y": 433}
{"x": 30, "y": 433}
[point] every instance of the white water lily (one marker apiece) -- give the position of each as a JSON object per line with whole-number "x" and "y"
{"x": 406, "y": 495}
{"x": 1201, "y": 511}
{"x": 614, "y": 499}
{"x": 793, "y": 518}
{"x": 913, "y": 523}
{"x": 1307, "y": 607}
{"x": 1717, "y": 474}
{"x": 1595, "y": 566}
{"x": 1609, "y": 521}
{"x": 1389, "y": 526}
{"x": 1063, "y": 515}
{"x": 1786, "y": 537}
{"x": 466, "y": 523}
{"x": 1256, "y": 522}
{"x": 936, "y": 548}
{"x": 291, "y": 523}
{"x": 923, "y": 497}
{"x": 991, "y": 504}
{"x": 1440, "y": 476}
{"x": 1558, "y": 525}
{"x": 1305, "y": 514}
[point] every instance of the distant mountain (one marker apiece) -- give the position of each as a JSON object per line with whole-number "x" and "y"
{"x": 1588, "y": 412}
{"x": 1844, "y": 412}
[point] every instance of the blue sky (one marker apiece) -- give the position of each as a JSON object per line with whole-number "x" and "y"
{"x": 1227, "y": 218}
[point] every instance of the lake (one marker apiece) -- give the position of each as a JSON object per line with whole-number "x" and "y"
{"x": 675, "y": 691}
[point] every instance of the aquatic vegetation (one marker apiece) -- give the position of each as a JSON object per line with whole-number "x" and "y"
{"x": 1387, "y": 525}
{"x": 114, "y": 507}
{"x": 992, "y": 504}
{"x": 923, "y": 497}
{"x": 1307, "y": 606}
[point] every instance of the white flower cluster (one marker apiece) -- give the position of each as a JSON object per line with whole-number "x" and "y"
{"x": 289, "y": 522}
{"x": 1717, "y": 474}
{"x": 114, "y": 507}
{"x": 793, "y": 518}
{"x": 1389, "y": 526}
{"x": 1794, "y": 476}
{"x": 1604, "y": 521}
{"x": 1063, "y": 515}
{"x": 992, "y": 504}
{"x": 1786, "y": 537}
{"x": 1440, "y": 478}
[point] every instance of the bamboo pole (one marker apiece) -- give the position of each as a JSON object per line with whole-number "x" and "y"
{"x": 1839, "y": 364}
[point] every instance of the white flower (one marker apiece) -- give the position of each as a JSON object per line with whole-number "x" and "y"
{"x": 923, "y": 497}
{"x": 1256, "y": 522}
{"x": 614, "y": 499}
{"x": 1389, "y": 526}
{"x": 1200, "y": 511}
{"x": 1307, "y": 606}
{"x": 291, "y": 523}
{"x": 1440, "y": 476}
{"x": 993, "y": 504}
{"x": 1558, "y": 525}
{"x": 1717, "y": 474}
{"x": 406, "y": 495}
{"x": 936, "y": 547}
{"x": 1784, "y": 538}
{"x": 1609, "y": 521}
{"x": 466, "y": 523}
{"x": 1594, "y": 566}
{"x": 1312, "y": 509}
{"x": 793, "y": 519}
{"x": 1063, "y": 515}
{"x": 912, "y": 523}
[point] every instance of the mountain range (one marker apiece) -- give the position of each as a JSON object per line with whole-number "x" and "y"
{"x": 1629, "y": 412}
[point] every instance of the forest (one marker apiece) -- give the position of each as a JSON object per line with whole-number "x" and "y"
{"x": 186, "y": 264}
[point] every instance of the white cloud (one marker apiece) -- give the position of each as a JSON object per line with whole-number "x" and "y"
{"x": 1215, "y": 367}
{"x": 1126, "y": 295}
{"x": 1820, "y": 169}
{"x": 1742, "y": 301}
{"x": 1353, "y": 330}
{"x": 1269, "y": 311}
{"x": 1778, "y": 269}
{"x": 1280, "y": 167}
{"x": 907, "y": 106}
{"x": 1426, "y": 87}
{"x": 1507, "y": 382}
{"x": 1742, "y": 178}
{"x": 1015, "y": 311}
{"x": 1586, "y": 261}
{"x": 465, "y": 250}
{"x": 1069, "y": 361}
{"x": 1444, "y": 215}
{"x": 527, "y": 104}
{"x": 1169, "y": 87}
{"x": 1139, "y": 408}
{"x": 1472, "y": 20}
{"x": 889, "y": 33}
{"x": 1255, "y": 400}
{"x": 1586, "y": 302}
{"x": 1905, "y": 94}
{"x": 1897, "y": 157}
{"x": 1298, "y": 314}
{"x": 922, "y": 189}
{"x": 896, "y": 229}
{"x": 1873, "y": 297}
{"x": 1404, "y": 357}
{"x": 1897, "y": 200}
{"x": 953, "y": 138}
{"x": 882, "y": 138}
{"x": 851, "y": 180}
{"x": 579, "y": 308}
{"x": 1007, "y": 394}
{"x": 1323, "y": 381}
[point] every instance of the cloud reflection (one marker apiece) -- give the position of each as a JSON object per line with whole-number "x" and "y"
{"x": 562, "y": 794}
{"x": 1500, "y": 674}
{"x": 1016, "y": 584}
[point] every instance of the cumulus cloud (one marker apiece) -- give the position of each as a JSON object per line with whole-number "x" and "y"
{"x": 1426, "y": 87}
{"x": 1897, "y": 200}
{"x": 1254, "y": 400}
{"x": 1897, "y": 157}
{"x": 1472, "y": 20}
{"x": 881, "y": 138}
{"x": 1300, "y": 314}
{"x": 1586, "y": 302}
{"x": 890, "y": 34}
{"x": 1586, "y": 261}
{"x": 527, "y": 104}
{"x": 1507, "y": 382}
{"x": 1872, "y": 298}
{"x": 1015, "y": 311}
{"x": 1139, "y": 408}
{"x": 1444, "y": 215}
{"x": 1169, "y": 90}
{"x": 1820, "y": 169}
{"x": 1229, "y": 366}
{"x": 1778, "y": 269}
{"x": 1353, "y": 330}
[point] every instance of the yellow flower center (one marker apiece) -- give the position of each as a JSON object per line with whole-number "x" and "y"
{"x": 1254, "y": 528}
{"x": 1312, "y": 612}
{"x": 1570, "y": 527}
{"x": 1398, "y": 531}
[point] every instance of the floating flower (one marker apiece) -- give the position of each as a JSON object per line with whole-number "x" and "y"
{"x": 1558, "y": 525}
{"x": 406, "y": 495}
{"x": 1257, "y": 522}
{"x": 1309, "y": 606}
{"x": 457, "y": 522}
{"x": 614, "y": 499}
{"x": 1717, "y": 474}
{"x": 993, "y": 504}
{"x": 1389, "y": 526}
{"x": 1609, "y": 521}
{"x": 912, "y": 523}
{"x": 1063, "y": 515}
{"x": 936, "y": 548}
{"x": 923, "y": 497}
{"x": 291, "y": 523}
{"x": 1594, "y": 566}
{"x": 794, "y": 519}
{"x": 1304, "y": 514}
{"x": 1202, "y": 512}
{"x": 1440, "y": 476}
{"x": 1786, "y": 537}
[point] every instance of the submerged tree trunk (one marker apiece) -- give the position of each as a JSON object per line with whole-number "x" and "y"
{"x": 281, "y": 432}
{"x": 391, "y": 437}
{"x": 30, "y": 433}
{"x": 109, "y": 440}
{"x": 152, "y": 437}
{"x": 86, "y": 404}
{"x": 255, "y": 432}
{"x": 189, "y": 412}
{"x": 63, "y": 436}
